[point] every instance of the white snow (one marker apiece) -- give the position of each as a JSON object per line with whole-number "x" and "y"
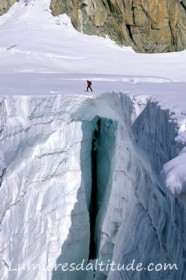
{"x": 47, "y": 122}
{"x": 175, "y": 173}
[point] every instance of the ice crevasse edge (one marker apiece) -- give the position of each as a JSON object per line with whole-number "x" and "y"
{"x": 51, "y": 149}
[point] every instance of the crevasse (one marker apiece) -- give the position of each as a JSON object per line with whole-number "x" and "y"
{"x": 80, "y": 180}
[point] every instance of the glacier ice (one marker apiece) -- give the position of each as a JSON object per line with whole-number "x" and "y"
{"x": 81, "y": 180}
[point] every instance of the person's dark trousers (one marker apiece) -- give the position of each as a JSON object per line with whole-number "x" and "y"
{"x": 89, "y": 87}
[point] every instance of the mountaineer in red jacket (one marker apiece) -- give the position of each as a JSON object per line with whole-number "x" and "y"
{"x": 89, "y": 83}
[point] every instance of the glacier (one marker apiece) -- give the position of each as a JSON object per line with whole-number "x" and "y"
{"x": 88, "y": 178}
{"x": 81, "y": 179}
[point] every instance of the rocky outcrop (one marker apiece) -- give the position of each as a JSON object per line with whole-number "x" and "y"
{"x": 5, "y": 5}
{"x": 147, "y": 26}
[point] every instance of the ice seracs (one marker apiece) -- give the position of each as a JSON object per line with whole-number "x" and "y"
{"x": 174, "y": 173}
{"x": 79, "y": 185}
{"x": 81, "y": 176}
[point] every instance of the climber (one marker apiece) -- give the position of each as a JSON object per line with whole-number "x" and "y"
{"x": 89, "y": 83}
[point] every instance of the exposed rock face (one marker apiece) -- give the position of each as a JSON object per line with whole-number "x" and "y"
{"x": 148, "y": 26}
{"x": 5, "y": 5}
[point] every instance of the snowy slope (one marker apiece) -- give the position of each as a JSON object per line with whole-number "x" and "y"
{"x": 47, "y": 124}
{"x": 33, "y": 40}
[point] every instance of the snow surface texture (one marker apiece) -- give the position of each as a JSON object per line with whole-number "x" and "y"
{"x": 46, "y": 151}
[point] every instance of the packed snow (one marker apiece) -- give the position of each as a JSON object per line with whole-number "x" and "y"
{"x": 175, "y": 173}
{"x": 47, "y": 124}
